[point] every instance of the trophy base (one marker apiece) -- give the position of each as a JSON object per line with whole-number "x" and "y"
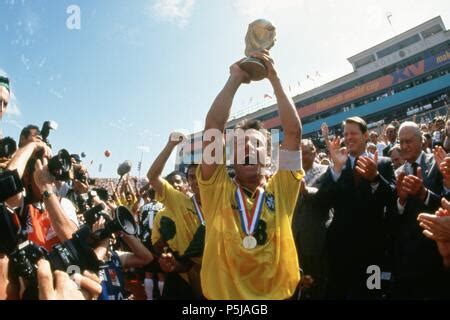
{"x": 255, "y": 68}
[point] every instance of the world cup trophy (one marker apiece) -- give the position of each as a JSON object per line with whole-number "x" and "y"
{"x": 260, "y": 36}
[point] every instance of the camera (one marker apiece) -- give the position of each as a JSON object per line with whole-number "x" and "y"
{"x": 60, "y": 166}
{"x": 76, "y": 251}
{"x": 123, "y": 221}
{"x": 24, "y": 259}
{"x": 45, "y": 131}
{"x": 73, "y": 252}
{"x": 80, "y": 175}
{"x": 7, "y": 147}
{"x": 92, "y": 215}
{"x": 10, "y": 184}
{"x": 9, "y": 231}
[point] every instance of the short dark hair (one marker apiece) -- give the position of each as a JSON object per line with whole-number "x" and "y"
{"x": 247, "y": 124}
{"x": 7, "y": 147}
{"x": 358, "y": 121}
{"x": 4, "y": 82}
{"x": 191, "y": 165}
{"x": 26, "y": 132}
{"x": 395, "y": 147}
{"x": 102, "y": 193}
{"x": 151, "y": 193}
{"x": 176, "y": 173}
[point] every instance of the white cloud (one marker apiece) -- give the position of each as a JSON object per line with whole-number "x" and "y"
{"x": 13, "y": 106}
{"x": 14, "y": 123}
{"x": 173, "y": 11}
{"x": 56, "y": 93}
{"x": 122, "y": 125}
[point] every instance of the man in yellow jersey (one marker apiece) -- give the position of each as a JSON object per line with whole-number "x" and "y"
{"x": 181, "y": 223}
{"x": 249, "y": 250}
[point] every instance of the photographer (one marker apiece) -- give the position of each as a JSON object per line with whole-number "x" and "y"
{"x": 47, "y": 219}
{"x": 116, "y": 262}
{"x": 78, "y": 191}
{"x": 29, "y": 134}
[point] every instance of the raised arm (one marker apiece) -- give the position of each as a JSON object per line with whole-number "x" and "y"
{"x": 290, "y": 120}
{"x": 19, "y": 162}
{"x": 155, "y": 171}
{"x": 139, "y": 255}
{"x": 63, "y": 226}
{"x": 220, "y": 111}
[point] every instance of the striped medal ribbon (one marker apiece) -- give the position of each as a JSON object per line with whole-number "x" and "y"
{"x": 249, "y": 220}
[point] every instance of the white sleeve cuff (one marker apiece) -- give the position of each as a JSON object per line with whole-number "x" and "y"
{"x": 290, "y": 160}
{"x": 401, "y": 208}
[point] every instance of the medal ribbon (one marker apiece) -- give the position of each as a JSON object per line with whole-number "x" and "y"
{"x": 198, "y": 210}
{"x": 249, "y": 221}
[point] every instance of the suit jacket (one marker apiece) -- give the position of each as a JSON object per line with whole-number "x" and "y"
{"x": 311, "y": 215}
{"x": 387, "y": 149}
{"x": 416, "y": 255}
{"x": 357, "y": 235}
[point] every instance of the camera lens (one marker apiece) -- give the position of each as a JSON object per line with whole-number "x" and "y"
{"x": 60, "y": 165}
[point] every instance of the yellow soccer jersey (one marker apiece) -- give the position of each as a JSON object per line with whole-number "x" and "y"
{"x": 180, "y": 209}
{"x": 156, "y": 231}
{"x": 269, "y": 271}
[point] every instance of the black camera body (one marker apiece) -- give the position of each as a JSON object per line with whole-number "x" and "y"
{"x": 93, "y": 214}
{"x": 24, "y": 259}
{"x": 80, "y": 176}
{"x": 9, "y": 231}
{"x": 10, "y": 184}
{"x": 123, "y": 221}
{"x": 75, "y": 252}
{"x": 7, "y": 147}
{"x": 60, "y": 166}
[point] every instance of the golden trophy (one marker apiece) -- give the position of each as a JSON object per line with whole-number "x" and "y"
{"x": 260, "y": 36}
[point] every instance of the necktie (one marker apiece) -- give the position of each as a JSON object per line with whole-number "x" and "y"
{"x": 414, "y": 167}
{"x": 356, "y": 176}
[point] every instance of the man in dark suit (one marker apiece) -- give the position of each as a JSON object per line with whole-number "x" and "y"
{"x": 391, "y": 135}
{"x": 309, "y": 223}
{"x": 419, "y": 271}
{"x": 361, "y": 189}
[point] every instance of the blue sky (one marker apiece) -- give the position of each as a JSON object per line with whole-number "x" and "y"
{"x": 137, "y": 70}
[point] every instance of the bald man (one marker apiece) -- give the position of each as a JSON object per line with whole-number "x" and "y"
{"x": 418, "y": 266}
